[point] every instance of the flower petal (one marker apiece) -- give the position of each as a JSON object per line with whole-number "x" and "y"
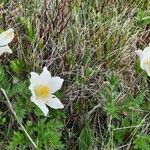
{"x": 55, "y": 103}
{"x": 55, "y": 83}
{"x": 41, "y": 104}
{"x": 6, "y": 37}
{"x": 143, "y": 65}
{"x": 34, "y": 80}
{"x": 146, "y": 53}
{"x": 34, "y": 76}
{"x": 5, "y": 49}
{"x": 45, "y": 72}
{"x": 45, "y": 75}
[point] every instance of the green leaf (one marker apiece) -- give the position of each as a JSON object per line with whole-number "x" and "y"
{"x": 17, "y": 66}
{"x": 18, "y": 140}
{"x": 85, "y": 139}
{"x": 142, "y": 142}
{"x": 88, "y": 72}
{"x": 28, "y": 27}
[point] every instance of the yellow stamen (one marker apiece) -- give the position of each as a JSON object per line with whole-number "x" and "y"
{"x": 42, "y": 91}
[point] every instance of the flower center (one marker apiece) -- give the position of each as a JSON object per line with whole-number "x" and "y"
{"x": 42, "y": 91}
{"x": 147, "y": 62}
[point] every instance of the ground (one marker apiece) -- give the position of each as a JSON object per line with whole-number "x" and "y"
{"x": 91, "y": 44}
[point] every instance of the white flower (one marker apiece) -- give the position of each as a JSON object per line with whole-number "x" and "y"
{"x": 42, "y": 88}
{"x": 5, "y": 38}
{"x": 144, "y": 59}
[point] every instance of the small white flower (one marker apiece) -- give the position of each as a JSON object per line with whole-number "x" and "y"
{"x": 5, "y": 38}
{"x": 144, "y": 59}
{"x": 42, "y": 88}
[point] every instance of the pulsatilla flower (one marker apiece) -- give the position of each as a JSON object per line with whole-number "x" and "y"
{"x": 43, "y": 87}
{"x": 144, "y": 59}
{"x": 5, "y": 38}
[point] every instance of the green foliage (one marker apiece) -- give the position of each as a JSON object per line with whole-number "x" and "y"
{"x": 6, "y": 1}
{"x": 46, "y": 133}
{"x": 79, "y": 80}
{"x": 142, "y": 18}
{"x": 2, "y": 118}
{"x": 84, "y": 41}
{"x": 28, "y": 28}
{"x": 70, "y": 59}
{"x": 122, "y": 115}
{"x": 18, "y": 140}
{"x": 110, "y": 94}
{"x": 88, "y": 72}
{"x": 17, "y": 66}
{"x": 2, "y": 75}
{"x": 85, "y": 138}
{"x": 142, "y": 142}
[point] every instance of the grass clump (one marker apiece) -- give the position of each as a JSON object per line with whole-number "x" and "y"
{"x": 91, "y": 45}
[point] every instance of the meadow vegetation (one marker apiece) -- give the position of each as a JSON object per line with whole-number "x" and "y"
{"x": 91, "y": 45}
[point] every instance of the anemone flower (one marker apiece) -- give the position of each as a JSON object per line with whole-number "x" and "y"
{"x": 144, "y": 59}
{"x": 5, "y": 38}
{"x": 43, "y": 87}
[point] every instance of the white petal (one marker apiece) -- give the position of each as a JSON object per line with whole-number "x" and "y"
{"x": 145, "y": 59}
{"x": 41, "y": 104}
{"x": 146, "y": 52}
{"x": 55, "y": 103}
{"x": 6, "y": 37}
{"x": 143, "y": 65}
{"x": 45, "y": 75}
{"x": 34, "y": 80}
{"x": 45, "y": 72}
{"x": 55, "y": 83}
{"x": 5, "y": 49}
{"x": 34, "y": 76}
